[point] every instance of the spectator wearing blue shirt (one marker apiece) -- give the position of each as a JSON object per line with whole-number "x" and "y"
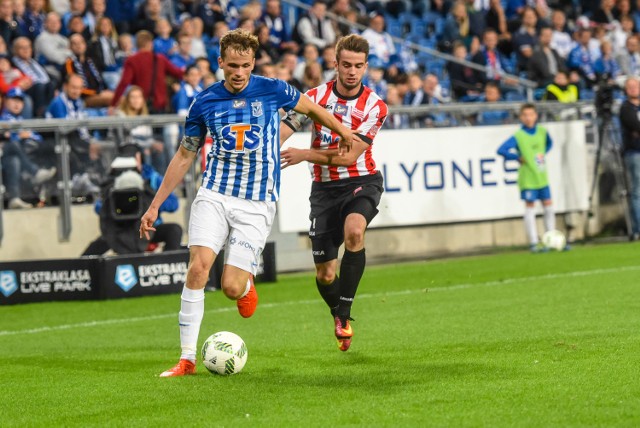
{"x": 492, "y": 117}
{"x": 606, "y": 65}
{"x": 213, "y": 47}
{"x": 163, "y": 43}
{"x": 580, "y": 59}
{"x": 182, "y": 58}
{"x": 18, "y": 152}
{"x": 279, "y": 33}
{"x": 34, "y": 17}
{"x": 525, "y": 39}
{"x": 122, "y": 13}
{"x": 189, "y": 88}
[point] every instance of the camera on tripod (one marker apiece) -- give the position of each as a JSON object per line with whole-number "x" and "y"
{"x": 605, "y": 96}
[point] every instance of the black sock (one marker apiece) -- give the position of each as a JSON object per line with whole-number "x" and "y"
{"x": 351, "y": 270}
{"x": 330, "y": 293}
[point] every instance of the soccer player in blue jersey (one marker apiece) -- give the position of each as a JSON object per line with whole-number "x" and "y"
{"x": 236, "y": 203}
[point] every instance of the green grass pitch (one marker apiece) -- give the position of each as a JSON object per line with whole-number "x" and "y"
{"x": 510, "y": 339}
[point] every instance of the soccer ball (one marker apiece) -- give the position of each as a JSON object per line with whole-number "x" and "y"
{"x": 224, "y": 353}
{"x": 554, "y": 239}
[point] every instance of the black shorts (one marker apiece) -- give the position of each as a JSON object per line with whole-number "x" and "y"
{"x": 332, "y": 202}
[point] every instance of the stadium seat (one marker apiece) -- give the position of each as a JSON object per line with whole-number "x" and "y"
{"x": 418, "y": 27}
{"x": 394, "y": 27}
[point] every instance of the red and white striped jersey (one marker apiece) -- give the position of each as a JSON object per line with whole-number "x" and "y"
{"x": 364, "y": 112}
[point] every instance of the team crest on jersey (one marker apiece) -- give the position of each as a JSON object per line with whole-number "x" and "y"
{"x": 256, "y": 108}
{"x": 340, "y": 110}
{"x": 239, "y": 103}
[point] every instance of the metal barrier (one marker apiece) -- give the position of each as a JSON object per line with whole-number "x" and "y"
{"x": 550, "y": 111}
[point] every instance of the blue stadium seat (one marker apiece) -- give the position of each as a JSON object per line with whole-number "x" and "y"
{"x": 394, "y": 27}
{"x": 418, "y": 27}
{"x": 587, "y": 94}
{"x": 514, "y": 96}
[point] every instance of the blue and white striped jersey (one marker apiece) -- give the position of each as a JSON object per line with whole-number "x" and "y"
{"x": 244, "y": 160}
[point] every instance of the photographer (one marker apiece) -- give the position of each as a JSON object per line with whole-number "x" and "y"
{"x": 124, "y": 197}
{"x": 630, "y": 123}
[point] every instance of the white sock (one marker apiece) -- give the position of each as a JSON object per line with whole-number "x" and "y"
{"x": 247, "y": 288}
{"x": 190, "y": 318}
{"x": 530, "y": 225}
{"x": 549, "y": 218}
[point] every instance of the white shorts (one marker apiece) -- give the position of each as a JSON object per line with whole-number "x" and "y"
{"x": 240, "y": 225}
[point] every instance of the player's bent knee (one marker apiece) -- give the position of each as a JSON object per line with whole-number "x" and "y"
{"x": 233, "y": 289}
{"x": 354, "y": 239}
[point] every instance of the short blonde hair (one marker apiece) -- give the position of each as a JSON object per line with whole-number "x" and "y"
{"x": 240, "y": 41}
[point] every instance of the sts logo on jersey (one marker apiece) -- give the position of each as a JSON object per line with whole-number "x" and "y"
{"x": 239, "y": 137}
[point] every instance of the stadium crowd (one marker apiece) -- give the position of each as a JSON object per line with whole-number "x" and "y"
{"x": 79, "y": 58}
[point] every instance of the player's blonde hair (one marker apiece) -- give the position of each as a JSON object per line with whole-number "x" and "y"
{"x": 352, "y": 43}
{"x": 240, "y": 41}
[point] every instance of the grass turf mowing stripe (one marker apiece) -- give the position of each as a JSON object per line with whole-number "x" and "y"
{"x": 306, "y": 302}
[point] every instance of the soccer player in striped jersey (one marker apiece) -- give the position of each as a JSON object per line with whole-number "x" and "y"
{"x": 346, "y": 187}
{"x": 236, "y": 204}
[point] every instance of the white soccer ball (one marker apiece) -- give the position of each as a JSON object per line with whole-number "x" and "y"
{"x": 554, "y": 239}
{"x": 224, "y": 353}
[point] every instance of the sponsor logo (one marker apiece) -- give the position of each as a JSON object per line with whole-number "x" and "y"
{"x": 58, "y": 281}
{"x": 162, "y": 274}
{"x": 256, "y": 108}
{"x": 239, "y": 103}
{"x": 8, "y": 282}
{"x": 216, "y": 114}
{"x": 240, "y": 137}
{"x": 355, "y": 192}
{"x": 340, "y": 110}
{"x": 374, "y": 130}
{"x": 126, "y": 277}
{"x": 358, "y": 114}
{"x": 318, "y": 253}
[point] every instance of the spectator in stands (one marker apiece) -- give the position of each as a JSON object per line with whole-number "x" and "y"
{"x": 267, "y": 52}
{"x": 375, "y": 77}
{"x": 284, "y": 73}
{"x": 189, "y": 88}
{"x": 41, "y": 90}
{"x": 629, "y": 59}
{"x": 94, "y": 92}
{"x": 604, "y": 15}
{"x": 34, "y": 17}
{"x": 97, "y": 9}
{"x": 215, "y": 11}
{"x": 465, "y": 85}
{"x": 492, "y": 94}
{"x": 84, "y": 151}
{"x": 51, "y": 47}
{"x": 309, "y": 54}
{"x": 18, "y": 152}
{"x": 606, "y": 66}
{"x": 208, "y": 79}
{"x": 11, "y": 77}
{"x": 329, "y": 64}
{"x": 164, "y": 43}
{"x": 312, "y": 76}
{"x": 76, "y": 8}
{"x": 147, "y": 70}
{"x": 126, "y": 46}
{"x": 290, "y": 61}
{"x": 8, "y": 27}
{"x": 105, "y": 53}
{"x": 315, "y": 27}
{"x": 488, "y": 56}
{"x": 133, "y": 104}
{"x": 380, "y": 42}
{"x": 148, "y": 16}
{"x": 580, "y": 59}
{"x": 561, "y": 90}
{"x": 341, "y": 9}
{"x": 203, "y": 65}
{"x": 279, "y": 33}
{"x": 561, "y": 39}
{"x": 495, "y": 18}
{"x": 526, "y": 38}
{"x": 635, "y": 15}
{"x": 213, "y": 48}
{"x": 622, "y": 10}
{"x": 77, "y": 25}
{"x": 198, "y": 48}
{"x": 433, "y": 90}
{"x": 621, "y": 33}
{"x": 630, "y": 124}
{"x": 415, "y": 96}
{"x": 545, "y": 62}
{"x": 183, "y": 58}
{"x": 457, "y": 27}
{"x": 118, "y": 231}
{"x": 396, "y": 120}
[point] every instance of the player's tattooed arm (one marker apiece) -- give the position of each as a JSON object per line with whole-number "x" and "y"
{"x": 191, "y": 143}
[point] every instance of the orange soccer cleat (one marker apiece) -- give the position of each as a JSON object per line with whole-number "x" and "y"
{"x": 247, "y": 305}
{"x": 183, "y": 368}
{"x": 344, "y": 333}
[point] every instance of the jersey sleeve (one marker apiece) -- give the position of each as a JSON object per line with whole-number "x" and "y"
{"x": 509, "y": 149}
{"x": 287, "y": 96}
{"x": 373, "y": 122}
{"x": 195, "y": 125}
{"x": 295, "y": 120}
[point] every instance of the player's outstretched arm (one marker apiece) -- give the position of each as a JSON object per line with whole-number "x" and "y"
{"x": 332, "y": 157}
{"x": 175, "y": 173}
{"x": 320, "y": 115}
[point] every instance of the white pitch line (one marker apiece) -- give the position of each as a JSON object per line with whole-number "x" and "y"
{"x": 454, "y": 287}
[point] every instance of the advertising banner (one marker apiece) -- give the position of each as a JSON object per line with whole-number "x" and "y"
{"x": 436, "y": 176}
{"x": 48, "y": 280}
